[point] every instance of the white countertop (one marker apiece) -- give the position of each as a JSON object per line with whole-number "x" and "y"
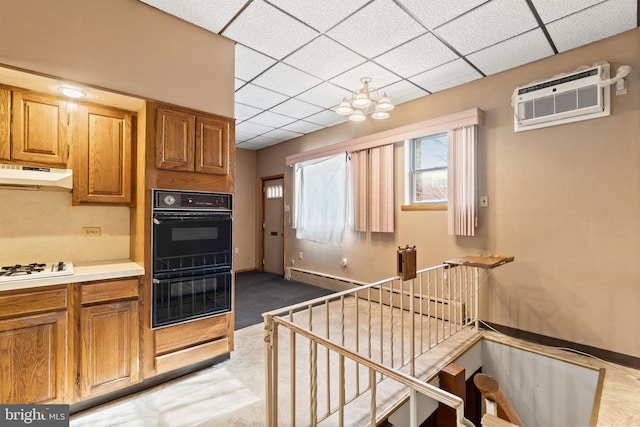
{"x": 83, "y": 272}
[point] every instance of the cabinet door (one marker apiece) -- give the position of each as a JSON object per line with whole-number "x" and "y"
{"x": 103, "y": 158}
{"x": 5, "y": 124}
{"x": 40, "y": 129}
{"x": 33, "y": 352}
{"x": 175, "y": 140}
{"x": 212, "y": 146}
{"x": 109, "y": 347}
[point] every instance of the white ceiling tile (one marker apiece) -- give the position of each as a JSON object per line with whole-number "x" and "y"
{"x": 323, "y": 15}
{"x": 302, "y": 126}
{"x": 445, "y": 76}
{"x": 248, "y": 145}
{"x": 350, "y": 80}
{"x": 242, "y": 136}
{"x": 268, "y": 118}
{"x": 418, "y": 55}
{"x": 550, "y": 10}
{"x": 285, "y": 79}
{"x": 296, "y": 108}
{"x": 376, "y": 28}
{"x": 281, "y": 134}
{"x": 511, "y": 53}
{"x": 595, "y": 23}
{"x": 254, "y": 129}
{"x": 250, "y": 63}
{"x": 488, "y": 24}
{"x": 326, "y": 95}
{"x": 266, "y": 29}
{"x": 263, "y": 141}
{"x": 258, "y": 97}
{"x": 211, "y": 15}
{"x": 326, "y": 118}
{"x": 239, "y": 83}
{"x": 433, "y": 13}
{"x": 402, "y": 92}
{"x": 324, "y": 57}
{"x": 244, "y": 112}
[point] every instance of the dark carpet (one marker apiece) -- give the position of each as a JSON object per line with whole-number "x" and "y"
{"x": 258, "y": 292}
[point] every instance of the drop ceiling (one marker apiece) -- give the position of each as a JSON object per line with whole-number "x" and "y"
{"x": 297, "y": 59}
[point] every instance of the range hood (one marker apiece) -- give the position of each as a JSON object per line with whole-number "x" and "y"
{"x": 35, "y": 176}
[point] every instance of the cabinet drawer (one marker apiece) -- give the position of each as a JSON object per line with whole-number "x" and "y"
{"x": 109, "y": 291}
{"x": 33, "y": 302}
{"x": 189, "y": 356}
{"x": 187, "y": 334}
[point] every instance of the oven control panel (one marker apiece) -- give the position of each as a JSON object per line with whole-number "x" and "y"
{"x": 191, "y": 200}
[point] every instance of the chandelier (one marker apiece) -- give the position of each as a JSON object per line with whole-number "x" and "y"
{"x": 365, "y": 101}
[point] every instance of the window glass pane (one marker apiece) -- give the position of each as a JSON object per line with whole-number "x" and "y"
{"x": 429, "y": 168}
{"x": 431, "y": 186}
{"x": 431, "y": 152}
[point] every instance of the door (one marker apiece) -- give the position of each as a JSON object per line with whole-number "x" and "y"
{"x": 273, "y": 229}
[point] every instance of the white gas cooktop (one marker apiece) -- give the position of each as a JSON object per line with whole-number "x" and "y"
{"x": 11, "y": 273}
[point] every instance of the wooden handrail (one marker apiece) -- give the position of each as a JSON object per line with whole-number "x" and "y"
{"x": 491, "y": 390}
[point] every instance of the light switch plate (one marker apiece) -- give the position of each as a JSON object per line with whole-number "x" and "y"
{"x": 484, "y": 201}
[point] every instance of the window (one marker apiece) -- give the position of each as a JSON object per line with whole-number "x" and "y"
{"x": 428, "y": 176}
{"x": 321, "y": 199}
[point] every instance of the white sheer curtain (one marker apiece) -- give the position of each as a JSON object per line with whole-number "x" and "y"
{"x": 462, "y": 181}
{"x": 321, "y": 199}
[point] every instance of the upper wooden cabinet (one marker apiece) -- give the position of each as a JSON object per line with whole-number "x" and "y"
{"x": 102, "y": 169}
{"x": 40, "y": 129}
{"x": 5, "y": 123}
{"x": 191, "y": 142}
{"x": 212, "y": 145}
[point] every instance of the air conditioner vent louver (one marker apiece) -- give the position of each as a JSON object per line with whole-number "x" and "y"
{"x": 573, "y": 97}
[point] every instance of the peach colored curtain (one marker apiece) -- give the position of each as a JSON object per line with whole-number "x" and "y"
{"x": 462, "y": 181}
{"x": 373, "y": 192}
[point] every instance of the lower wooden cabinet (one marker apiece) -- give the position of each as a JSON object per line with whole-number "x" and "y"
{"x": 108, "y": 338}
{"x": 33, "y": 346}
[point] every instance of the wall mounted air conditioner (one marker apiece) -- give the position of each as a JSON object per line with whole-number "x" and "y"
{"x": 563, "y": 99}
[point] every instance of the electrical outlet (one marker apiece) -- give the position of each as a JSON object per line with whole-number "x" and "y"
{"x": 91, "y": 231}
{"x": 299, "y": 255}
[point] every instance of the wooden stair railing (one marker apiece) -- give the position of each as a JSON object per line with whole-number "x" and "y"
{"x": 491, "y": 390}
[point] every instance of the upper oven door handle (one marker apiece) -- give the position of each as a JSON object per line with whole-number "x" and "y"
{"x": 162, "y": 217}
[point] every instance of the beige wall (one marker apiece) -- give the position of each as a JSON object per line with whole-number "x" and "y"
{"x": 245, "y": 215}
{"x": 563, "y": 200}
{"x": 42, "y": 226}
{"x": 120, "y": 45}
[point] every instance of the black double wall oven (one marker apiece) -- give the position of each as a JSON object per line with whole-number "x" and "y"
{"x": 191, "y": 259}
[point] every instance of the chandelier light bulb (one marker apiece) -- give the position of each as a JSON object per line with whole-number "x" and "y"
{"x": 357, "y": 116}
{"x": 384, "y": 104}
{"x": 361, "y": 100}
{"x": 344, "y": 108}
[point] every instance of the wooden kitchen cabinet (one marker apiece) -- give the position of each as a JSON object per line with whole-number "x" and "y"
{"x": 108, "y": 344}
{"x": 40, "y": 129}
{"x": 33, "y": 346}
{"x": 103, "y": 157}
{"x": 191, "y": 142}
{"x": 5, "y": 123}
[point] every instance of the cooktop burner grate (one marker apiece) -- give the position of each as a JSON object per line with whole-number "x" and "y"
{"x": 35, "y": 270}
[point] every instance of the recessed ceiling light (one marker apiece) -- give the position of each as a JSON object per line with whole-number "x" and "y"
{"x": 72, "y": 92}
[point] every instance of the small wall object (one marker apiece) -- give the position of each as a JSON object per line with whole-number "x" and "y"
{"x": 407, "y": 262}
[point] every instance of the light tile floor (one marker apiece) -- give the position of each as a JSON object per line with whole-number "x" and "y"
{"x": 232, "y": 392}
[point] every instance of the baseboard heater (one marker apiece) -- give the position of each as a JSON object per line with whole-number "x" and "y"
{"x": 434, "y": 307}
